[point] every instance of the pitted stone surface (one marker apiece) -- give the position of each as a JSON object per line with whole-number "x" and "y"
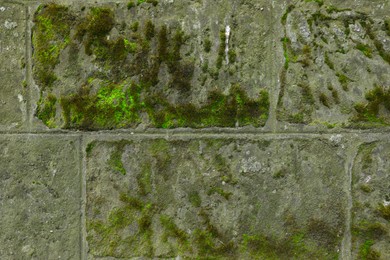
{"x": 13, "y": 92}
{"x": 40, "y": 198}
{"x": 233, "y": 199}
{"x": 371, "y": 202}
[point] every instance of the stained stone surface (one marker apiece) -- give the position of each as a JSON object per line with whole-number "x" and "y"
{"x": 12, "y": 62}
{"x": 211, "y": 198}
{"x": 371, "y": 202}
{"x": 166, "y": 65}
{"x": 337, "y": 64}
{"x": 40, "y": 198}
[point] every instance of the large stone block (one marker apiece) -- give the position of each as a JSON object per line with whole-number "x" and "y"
{"x": 337, "y": 64}
{"x": 371, "y": 202}
{"x": 161, "y": 64}
{"x": 13, "y": 92}
{"x": 215, "y": 198}
{"x": 40, "y": 197}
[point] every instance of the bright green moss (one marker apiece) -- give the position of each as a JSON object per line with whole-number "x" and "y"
{"x": 46, "y": 110}
{"x": 130, "y": 5}
{"x": 50, "y": 36}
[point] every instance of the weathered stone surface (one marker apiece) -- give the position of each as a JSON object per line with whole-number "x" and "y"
{"x": 371, "y": 202}
{"x": 233, "y": 199}
{"x": 40, "y": 197}
{"x": 337, "y": 64}
{"x": 13, "y": 94}
{"x": 174, "y": 64}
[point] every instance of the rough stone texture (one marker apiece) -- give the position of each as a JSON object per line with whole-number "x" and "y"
{"x": 13, "y": 92}
{"x": 216, "y": 198}
{"x": 334, "y": 57}
{"x": 278, "y": 173}
{"x": 371, "y": 202}
{"x": 40, "y": 195}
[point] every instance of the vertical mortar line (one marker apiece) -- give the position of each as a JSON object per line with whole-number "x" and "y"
{"x": 83, "y": 169}
{"x": 28, "y": 68}
{"x": 352, "y": 151}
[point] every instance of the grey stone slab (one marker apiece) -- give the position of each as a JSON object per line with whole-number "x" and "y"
{"x": 13, "y": 92}
{"x": 337, "y": 64}
{"x": 40, "y": 197}
{"x": 177, "y": 80}
{"x": 216, "y": 198}
{"x": 371, "y": 202}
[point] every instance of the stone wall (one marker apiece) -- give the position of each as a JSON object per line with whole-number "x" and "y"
{"x": 195, "y": 129}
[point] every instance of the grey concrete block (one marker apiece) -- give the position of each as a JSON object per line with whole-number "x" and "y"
{"x": 40, "y": 197}
{"x": 223, "y": 198}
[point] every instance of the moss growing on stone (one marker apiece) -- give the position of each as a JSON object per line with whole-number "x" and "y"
{"x": 221, "y": 49}
{"x": 324, "y": 100}
{"x": 344, "y": 81}
{"x": 149, "y": 30}
{"x": 207, "y": 45}
{"x": 115, "y": 160}
{"x": 384, "y": 211}
{"x": 369, "y": 112}
{"x": 365, "y": 49}
{"x": 46, "y": 110}
{"x": 51, "y": 34}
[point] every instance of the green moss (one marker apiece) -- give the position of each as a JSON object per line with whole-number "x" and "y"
{"x": 232, "y": 56}
{"x": 324, "y": 100}
{"x": 90, "y": 148}
{"x": 369, "y": 112}
{"x": 284, "y": 17}
{"x": 130, "y": 5}
{"x": 207, "y": 45}
{"x": 367, "y": 253}
{"x": 115, "y": 161}
{"x": 328, "y": 61}
{"x": 220, "y": 191}
{"x": 46, "y": 110}
{"x": 344, "y": 81}
{"x": 221, "y": 49}
{"x": 366, "y": 188}
{"x": 319, "y": 2}
{"x": 384, "y": 211}
{"x": 286, "y": 42}
{"x": 134, "y": 26}
{"x": 149, "y": 30}
{"x": 171, "y": 230}
{"x": 144, "y": 180}
{"x": 51, "y": 34}
{"x": 195, "y": 199}
{"x": 365, "y": 49}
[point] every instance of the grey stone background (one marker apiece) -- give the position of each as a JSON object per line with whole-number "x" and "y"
{"x": 51, "y": 179}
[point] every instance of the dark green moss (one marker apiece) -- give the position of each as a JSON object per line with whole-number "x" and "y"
{"x": 171, "y": 230}
{"x": 90, "y": 148}
{"x": 365, "y": 49}
{"x": 149, "y": 30}
{"x": 220, "y": 191}
{"x": 195, "y": 199}
{"x": 46, "y": 110}
{"x": 384, "y": 211}
{"x": 328, "y": 61}
{"x": 232, "y": 56}
{"x": 344, "y": 81}
{"x": 324, "y": 100}
{"x": 134, "y": 26}
{"x": 130, "y": 5}
{"x": 369, "y": 112}
{"x": 284, "y": 17}
{"x": 115, "y": 161}
{"x": 144, "y": 180}
{"x": 221, "y": 49}
{"x": 207, "y": 45}
{"x": 51, "y": 34}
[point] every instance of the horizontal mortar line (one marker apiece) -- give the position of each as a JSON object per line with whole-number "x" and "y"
{"x": 187, "y": 132}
